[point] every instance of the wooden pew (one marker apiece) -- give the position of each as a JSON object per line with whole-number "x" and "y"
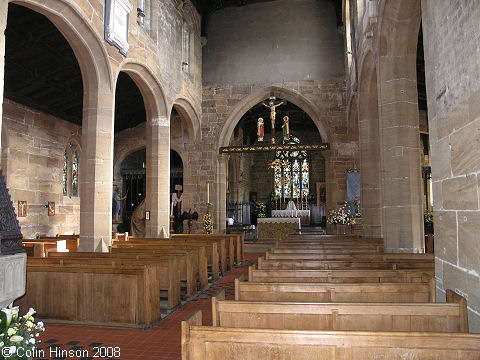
{"x": 337, "y": 292}
{"x": 202, "y": 262}
{"x": 338, "y": 276}
{"x": 37, "y": 248}
{"x": 216, "y": 252}
{"x": 72, "y": 241}
{"x": 188, "y": 264}
{"x": 344, "y": 264}
{"x": 168, "y": 270}
{"x": 444, "y": 317}
{"x": 233, "y": 244}
{"x": 306, "y": 255}
{"x": 342, "y": 247}
{"x": 216, "y": 343}
{"x": 94, "y": 294}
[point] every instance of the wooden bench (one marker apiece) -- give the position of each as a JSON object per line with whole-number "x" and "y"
{"x": 35, "y": 248}
{"x": 168, "y": 270}
{"x": 233, "y": 244}
{"x": 202, "y": 262}
{"x": 445, "y": 317}
{"x": 301, "y": 264}
{"x": 337, "y": 292}
{"x": 216, "y": 251}
{"x": 306, "y": 255}
{"x": 216, "y": 343}
{"x": 188, "y": 264}
{"x": 94, "y": 294}
{"x": 338, "y": 276}
{"x": 342, "y": 247}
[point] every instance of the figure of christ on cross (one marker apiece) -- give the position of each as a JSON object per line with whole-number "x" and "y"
{"x": 273, "y": 106}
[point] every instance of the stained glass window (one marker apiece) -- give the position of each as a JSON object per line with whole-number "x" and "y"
{"x": 291, "y": 173}
{"x": 65, "y": 173}
{"x": 296, "y": 179}
{"x": 278, "y": 181}
{"x": 74, "y": 173}
{"x": 305, "y": 178}
{"x": 287, "y": 181}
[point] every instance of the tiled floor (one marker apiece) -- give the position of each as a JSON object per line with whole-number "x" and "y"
{"x": 160, "y": 342}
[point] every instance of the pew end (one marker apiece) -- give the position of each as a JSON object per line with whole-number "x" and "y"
{"x": 219, "y": 296}
{"x": 237, "y": 286}
{"x": 453, "y": 297}
{"x": 251, "y": 268}
{"x": 194, "y": 319}
{"x": 430, "y": 280}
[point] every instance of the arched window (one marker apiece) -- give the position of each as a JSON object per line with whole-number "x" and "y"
{"x": 70, "y": 170}
{"x": 291, "y": 173}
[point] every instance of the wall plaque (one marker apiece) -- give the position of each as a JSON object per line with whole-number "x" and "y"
{"x": 116, "y": 23}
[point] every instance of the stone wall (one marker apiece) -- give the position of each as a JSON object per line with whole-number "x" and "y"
{"x": 328, "y": 97}
{"x": 32, "y": 159}
{"x": 451, "y": 39}
{"x": 272, "y": 42}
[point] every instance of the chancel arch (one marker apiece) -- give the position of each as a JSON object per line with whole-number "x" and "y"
{"x": 236, "y": 171}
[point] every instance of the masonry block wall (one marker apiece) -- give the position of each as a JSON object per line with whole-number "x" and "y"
{"x": 33, "y": 148}
{"x": 451, "y": 39}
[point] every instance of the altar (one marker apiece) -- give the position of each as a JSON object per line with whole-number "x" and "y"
{"x": 303, "y": 215}
{"x": 277, "y": 228}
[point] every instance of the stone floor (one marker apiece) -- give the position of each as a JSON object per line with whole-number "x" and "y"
{"x": 160, "y": 342}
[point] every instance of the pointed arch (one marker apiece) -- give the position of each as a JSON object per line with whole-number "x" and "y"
{"x": 190, "y": 115}
{"x": 286, "y": 94}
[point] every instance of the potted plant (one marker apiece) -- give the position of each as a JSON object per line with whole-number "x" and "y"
{"x": 207, "y": 220}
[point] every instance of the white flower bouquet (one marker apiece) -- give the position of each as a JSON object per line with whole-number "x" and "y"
{"x": 341, "y": 216}
{"x": 18, "y": 334}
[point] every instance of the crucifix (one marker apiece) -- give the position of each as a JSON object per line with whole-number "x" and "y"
{"x": 272, "y": 105}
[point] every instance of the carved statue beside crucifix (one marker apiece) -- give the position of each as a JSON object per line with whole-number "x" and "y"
{"x": 286, "y": 128}
{"x": 260, "y": 129}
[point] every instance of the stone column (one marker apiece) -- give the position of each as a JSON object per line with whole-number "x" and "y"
{"x": 96, "y": 171}
{"x": 158, "y": 177}
{"x": 3, "y": 25}
{"x": 400, "y": 146}
{"x": 221, "y": 191}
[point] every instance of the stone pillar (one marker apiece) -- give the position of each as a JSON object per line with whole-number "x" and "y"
{"x": 221, "y": 191}
{"x": 400, "y": 146}
{"x": 158, "y": 177}
{"x": 3, "y": 25}
{"x": 96, "y": 171}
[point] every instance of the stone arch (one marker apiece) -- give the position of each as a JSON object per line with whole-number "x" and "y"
{"x": 122, "y": 156}
{"x": 86, "y": 44}
{"x": 262, "y": 94}
{"x": 157, "y": 145}
{"x": 190, "y": 115}
{"x": 370, "y": 153}
{"x": 229, "y": 126}
{"x": 399, "y": 126}
{"x": 97, "y": 120}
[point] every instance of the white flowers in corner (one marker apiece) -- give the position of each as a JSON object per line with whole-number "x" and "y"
{"x": 341, "y": 216}
{"x": 19, "y": 332}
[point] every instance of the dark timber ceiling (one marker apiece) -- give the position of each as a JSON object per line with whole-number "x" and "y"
{"x": 299, "y": 122}
{"x": 42, "y": 72}
{"x": 207, "y": 7}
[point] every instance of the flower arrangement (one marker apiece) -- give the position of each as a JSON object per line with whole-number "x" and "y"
{"x": 341, "y": 216}
{"x": 428, "y": 222}
{"x": 208, "y": 220}
{"x": 207, "y": 224}
{"x": 19, "y": 334}
{"x": 260, "y": 209}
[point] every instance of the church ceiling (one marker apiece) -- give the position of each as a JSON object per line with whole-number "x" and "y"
{"x": 207, "y": 7}
{"x": 42, "y": 72}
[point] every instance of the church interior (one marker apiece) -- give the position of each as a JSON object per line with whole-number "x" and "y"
{"x": 248, "y": 179}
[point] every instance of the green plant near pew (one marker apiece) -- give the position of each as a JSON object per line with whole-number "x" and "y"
{"x": 18, "y": 334}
